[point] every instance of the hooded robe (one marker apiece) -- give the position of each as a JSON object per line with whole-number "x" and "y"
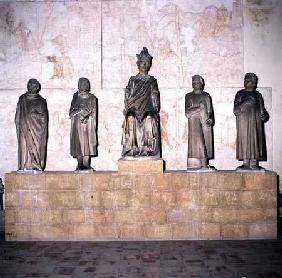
{"x": 32, "y": 130}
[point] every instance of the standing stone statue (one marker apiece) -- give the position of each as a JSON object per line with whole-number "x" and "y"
{"x": 250, "y": 118}
{"x": 32, "y": 128}
{"x": 1, "y": 194}
{"x": 141, "y": 127}
{"x": 83, "y": 115}
{"x": 199, "y": 111}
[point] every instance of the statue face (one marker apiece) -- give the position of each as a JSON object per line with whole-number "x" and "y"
{"x": 143, "y": 65}
{"x": 33, "y": 86}
{"x": 83, "y": 85}
{"x": 197, "y": 84}
{"x": 250, "y": 84}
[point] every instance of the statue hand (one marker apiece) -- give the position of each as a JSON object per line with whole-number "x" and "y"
{"x": 264, "y": 117}
{"x": 202, "y": 106}
{"x": 139, "y": 118}
{"x": 38, "y": 116}
{"x": 192, "y": 111}
{"x": 209, "y": 122}
{"x": 34, "y": 113}
{"x": 86, "y": 112}
{"x": 84, "y": 120}
{"x": 244, "y": 106}
{"x": 248, "y": 102}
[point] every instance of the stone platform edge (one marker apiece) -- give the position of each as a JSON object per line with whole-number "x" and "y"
{"x": 174, "y": 205}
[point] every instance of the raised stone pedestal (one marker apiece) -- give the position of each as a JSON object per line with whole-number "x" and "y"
{"x": 116, "y": 206}
{"x": 140, "y": 166}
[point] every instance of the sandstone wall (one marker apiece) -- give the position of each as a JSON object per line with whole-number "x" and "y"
{"x": 112, "y": 206}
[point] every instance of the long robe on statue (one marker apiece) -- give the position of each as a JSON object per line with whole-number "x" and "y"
{"x": 141, "y": 127}
{"x": 83, "y": 132}
{"x": 32, "y": 130}
{"x": 200, "y": 135}
{"x": 250, "y": 142}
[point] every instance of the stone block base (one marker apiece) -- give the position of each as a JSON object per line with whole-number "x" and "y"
{"x": 142, "y": 166}
{"x": 114, "y": 206}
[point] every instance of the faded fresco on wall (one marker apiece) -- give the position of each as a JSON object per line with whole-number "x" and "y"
{"x": 58, "y": 42}
{"x": 184, "y": 37}
{"x": 54, "y": 42}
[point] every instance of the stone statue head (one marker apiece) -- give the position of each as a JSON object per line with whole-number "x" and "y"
{"x": 250, "y": 81}
{"x": 83, "y": 84}
{"x": 198, "y": 82}
{"x": 33, "y": 86}
{"x": 144, "y": 60}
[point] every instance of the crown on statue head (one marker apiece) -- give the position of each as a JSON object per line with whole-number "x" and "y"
{"x": 144, "y": 55}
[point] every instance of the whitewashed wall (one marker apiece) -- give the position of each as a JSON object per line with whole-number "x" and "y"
{"x": 59, "y": 41}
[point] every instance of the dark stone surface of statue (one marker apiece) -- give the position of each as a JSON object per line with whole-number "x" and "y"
{"x": 141, "y": 127}
{"x": 1, "y": 194}
{"x": 199, "y": 111}
{"x": 83, "y": 115}
{"x": 250, "y": 118}
{"x": 32, "y": 128}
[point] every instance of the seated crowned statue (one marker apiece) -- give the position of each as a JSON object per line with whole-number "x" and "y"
{"x": 141, "y": 126}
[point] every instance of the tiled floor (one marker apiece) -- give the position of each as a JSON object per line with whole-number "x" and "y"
{"x": 142, "y": 259}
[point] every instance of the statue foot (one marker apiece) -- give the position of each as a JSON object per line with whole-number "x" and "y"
{"x": 147, "y": 153}
{"x": 136, "y": 152}
{"x": 37, "y": 169}
{"x": 84, "y": 168}
{"x": 133, "y": 152}
{"x": 257, "y": 168}
{"x": 243, "y": 167}
{"x": 30, "y": 171}
{"x": 193, "y": 169}
{"x": 129, "y": 153}
{"x": 208, "y": 168}
{"x": 150, "y": 153}
{"x": 81, "y": 168}
{"x": 144, "y": 153}
{"x": 250, "y": 168}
